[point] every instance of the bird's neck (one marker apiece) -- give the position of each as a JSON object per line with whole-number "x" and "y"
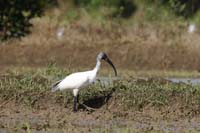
{"x": 97, "y": 67}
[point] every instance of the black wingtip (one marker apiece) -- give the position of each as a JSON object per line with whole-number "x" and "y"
{"x": 54, "y": 87}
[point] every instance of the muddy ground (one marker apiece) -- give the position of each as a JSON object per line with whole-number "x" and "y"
{"x": 52, "y": 117}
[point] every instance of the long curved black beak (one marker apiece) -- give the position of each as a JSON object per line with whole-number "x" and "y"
{"x": 110, "y": 62}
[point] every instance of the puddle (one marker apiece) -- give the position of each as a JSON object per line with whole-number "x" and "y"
{"x": 105, "y": 81}
{"x": 192, "y": 81}
{"x": 3, "y": 131}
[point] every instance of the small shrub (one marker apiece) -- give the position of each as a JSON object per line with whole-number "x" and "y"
{"x": 118, "y": 8}
{"x": 185, "y": 8}
{"x": 15, "y": 16}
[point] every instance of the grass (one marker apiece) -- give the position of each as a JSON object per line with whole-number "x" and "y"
{"x": 146, "y": 41}
{"x": 140, "y": 46}
{"x": 30, "y": 87}
{"x": 160, "y": 73}
{"x": 125, "y": 99}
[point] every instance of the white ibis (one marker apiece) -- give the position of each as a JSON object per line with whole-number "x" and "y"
{"x": 79, "y": 80}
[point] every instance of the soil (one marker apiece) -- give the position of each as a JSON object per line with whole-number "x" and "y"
{"x": 48, "y": 115}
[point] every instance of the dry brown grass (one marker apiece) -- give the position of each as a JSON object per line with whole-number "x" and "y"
{"x": 137, "y": 46}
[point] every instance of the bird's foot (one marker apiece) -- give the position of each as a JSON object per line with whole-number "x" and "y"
{"x": 88, "y": 108}
{"x": 75, "y": 110}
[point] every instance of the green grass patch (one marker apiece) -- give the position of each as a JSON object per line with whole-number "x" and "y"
{"x": 31, "y": 89}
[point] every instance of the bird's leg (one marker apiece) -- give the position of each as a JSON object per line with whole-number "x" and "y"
{"x": 78, "y": 98}
{"x": 75, "y": 92}
{"x": 75, "y": 104}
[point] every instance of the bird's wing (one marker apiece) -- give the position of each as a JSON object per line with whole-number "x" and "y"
{"x": 75, "y": 80}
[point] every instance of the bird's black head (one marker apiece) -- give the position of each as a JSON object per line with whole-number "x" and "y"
{"x": 103, "y": 56}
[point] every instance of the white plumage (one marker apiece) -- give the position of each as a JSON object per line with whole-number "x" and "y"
{"x": 76, "y": 81}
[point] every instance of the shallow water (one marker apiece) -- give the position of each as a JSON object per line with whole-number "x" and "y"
{"x": 109, "y": 81}
{"x": 192, "y": 81}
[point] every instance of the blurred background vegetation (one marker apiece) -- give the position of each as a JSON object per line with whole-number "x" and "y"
{"x": 16, "y": 15}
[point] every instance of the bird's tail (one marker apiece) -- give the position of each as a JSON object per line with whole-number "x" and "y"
{"x": 55, "y": 87}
